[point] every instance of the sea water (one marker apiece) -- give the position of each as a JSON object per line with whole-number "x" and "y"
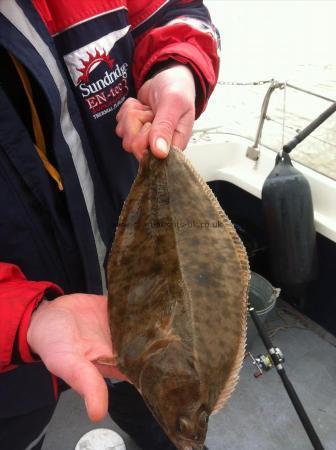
{"x": 290, "y": 41}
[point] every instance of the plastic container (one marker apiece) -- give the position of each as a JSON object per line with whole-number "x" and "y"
{"x": 262, "y": 296}
{"x": 101, "y": 439}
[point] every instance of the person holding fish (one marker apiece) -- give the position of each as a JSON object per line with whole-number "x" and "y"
{"x": 86, "y": 88}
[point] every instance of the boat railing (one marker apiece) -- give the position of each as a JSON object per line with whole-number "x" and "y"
{"x": 253, "y": 151}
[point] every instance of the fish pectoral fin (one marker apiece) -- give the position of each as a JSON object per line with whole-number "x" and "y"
{"x": 159, "y": 345}
{"x": 107, "y": 361}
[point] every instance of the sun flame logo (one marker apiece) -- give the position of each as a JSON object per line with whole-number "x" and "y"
{"x": 91, "y": 63}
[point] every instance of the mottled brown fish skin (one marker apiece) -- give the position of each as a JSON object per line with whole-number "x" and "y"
{"x": 177, "y": 281}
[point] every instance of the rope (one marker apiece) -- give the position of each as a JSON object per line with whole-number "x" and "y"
{"x": 244, "y": 83}
{"x": 39, "y": 145}
{"x": 284, "y": 114}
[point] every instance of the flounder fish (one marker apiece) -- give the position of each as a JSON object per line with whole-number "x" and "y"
{"x": 178, "y": 277}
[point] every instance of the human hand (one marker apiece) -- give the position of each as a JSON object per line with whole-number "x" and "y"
{"x": 162, "y": 116}
{"x": 69, "y": 334}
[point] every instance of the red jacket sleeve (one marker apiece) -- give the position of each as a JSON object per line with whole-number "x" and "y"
{"x": 18, "y": 299}
{"x": 162, "y": 29}
{"x": 181, "y": 31}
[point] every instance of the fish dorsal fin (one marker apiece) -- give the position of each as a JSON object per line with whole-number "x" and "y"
{"x": 240, "y": 252}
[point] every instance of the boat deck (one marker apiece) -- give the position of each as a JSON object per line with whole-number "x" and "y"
{"x": 259, "y": 414}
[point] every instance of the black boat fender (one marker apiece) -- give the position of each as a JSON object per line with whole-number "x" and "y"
{"x": 289, "y": 215}
{"x": 289, "y": 223}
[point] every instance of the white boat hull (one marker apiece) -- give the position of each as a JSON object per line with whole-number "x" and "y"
{"x": 224, "y": 158}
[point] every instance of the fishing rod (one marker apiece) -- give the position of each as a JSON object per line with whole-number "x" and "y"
{"x": 287, "y": 148}
{"x": 278, "y": 359}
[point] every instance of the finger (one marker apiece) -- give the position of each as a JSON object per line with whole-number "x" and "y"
{"x": 131, "y": 103}
{"x": 127, "y": 113}
{"x": 140, "y": 143}
{"x": 132, "y": 121}
{"x": 130, "y": 115}
{"x": 174, "y": 117}
{"x": 82, "y": 376}
{"x": 183, "y": 132}
{"x": 95, "y": 394}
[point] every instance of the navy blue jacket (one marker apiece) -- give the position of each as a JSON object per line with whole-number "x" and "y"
{"x": 80, "y": 77}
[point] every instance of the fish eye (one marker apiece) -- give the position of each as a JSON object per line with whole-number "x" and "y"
{"x": 182, "y": 425}
{"x": 196, "y": 437}
{"x": 204, "y": 418}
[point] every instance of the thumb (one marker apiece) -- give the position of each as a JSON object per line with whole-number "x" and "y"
{"x": 94, "y": 391}
{"x": 82, "y": 376}
{"x": 165, "y": 123}
{"x": 172, "y": 125}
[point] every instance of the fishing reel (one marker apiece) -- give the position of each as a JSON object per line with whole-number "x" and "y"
{"x": 264, "y": 362}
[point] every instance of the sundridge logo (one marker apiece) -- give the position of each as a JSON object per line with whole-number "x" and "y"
{"x": 101, "y": 82}
{"x": 91, "y": 63}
